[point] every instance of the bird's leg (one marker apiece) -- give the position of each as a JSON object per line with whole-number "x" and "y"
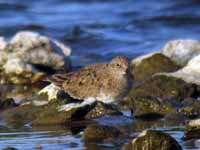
{"x": 68, "y": 107}
{"x": 51, "y": 90}
{"x": 117, "y": 105}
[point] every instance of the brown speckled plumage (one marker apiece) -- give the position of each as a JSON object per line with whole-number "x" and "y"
{"x": 104, "y": 81}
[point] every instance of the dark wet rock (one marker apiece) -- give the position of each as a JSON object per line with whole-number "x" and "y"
{"x": 153, "y": 140}
{"x": 102, "y": 109}
{"x": 21, "y": 115}
{"x": 98, "y": 133}
{"x": 7, "y": 103}
{"x": 151, "y": 108}
{"x": 144, "y": 68}
{"x": 51, "y": 115}
{"x": 162, "y": 95}
{"x": 9, "y": 148}
{"x": 192, "y": 133}
{"x": 190, "y": 107}
{"x": 28, "y": 56}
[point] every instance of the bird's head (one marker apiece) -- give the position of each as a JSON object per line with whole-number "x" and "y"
{"x": 120, "y": 64}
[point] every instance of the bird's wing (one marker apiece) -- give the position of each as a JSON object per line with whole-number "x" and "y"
{"x": 80, "y": 84}
{"x": 59, "y": 79}
{"x": 84, "y": 83}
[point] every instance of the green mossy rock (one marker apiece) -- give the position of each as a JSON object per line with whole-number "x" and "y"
{"x": 153, "y": 140}
{"x": 21, "y": 115}
{"x": 164, "y": 87}
{"x": 98, "y": 133}
{"x": 27, "y": 78}
{"x": 149, "y": 66}
{"x": 149, "y": 108}
{"x": 51, "y": 116}
{"x": 44, "y": 115}
{"x": 162, "y": 95}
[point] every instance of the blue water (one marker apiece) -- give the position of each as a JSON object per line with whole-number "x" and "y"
{"x": 105, "y": 27}
{"x": 96, "y": 30}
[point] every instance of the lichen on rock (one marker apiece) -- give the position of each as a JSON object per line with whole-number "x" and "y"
{"x": 153, "y": 140}
{"x": 97, "y": 133}
{"x": 162, "y": 95}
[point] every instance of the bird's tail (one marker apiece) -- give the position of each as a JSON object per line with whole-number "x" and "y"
{"x": 57, "y": 79}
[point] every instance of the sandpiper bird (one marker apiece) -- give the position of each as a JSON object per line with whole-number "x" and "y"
{"x": 105, "y": 82}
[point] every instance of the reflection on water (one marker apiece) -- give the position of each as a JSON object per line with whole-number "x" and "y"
{"x": 21, "y": 93}
{"x": 26, "y": 138}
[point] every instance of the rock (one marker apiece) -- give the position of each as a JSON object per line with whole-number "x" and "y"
{"x": 7, "y": 103}
{"x": 153, "y": 140}
{"x": 41, "y": 113}
{"x": 102, "y": 109}
{"x": 20, "y": 115}
{"x": 50, "y": 115}
{"x": 3, "y": 43}
{"x": 146, "y": 66}
{"x": 192, "y": 130}
{"x": 21, "y": 93}
{"x": 98, "y": 133}
{"x": 194, "y": 123}
{"x": 9, "y": 148}
{"x": 190, "y": 108}
{"x": 160, "y": 96}
{"x": 181, "y": 51}
{"x": 190, "y": 73}
{"x": 151, "y": 108}
{"x": 32, "y": 55}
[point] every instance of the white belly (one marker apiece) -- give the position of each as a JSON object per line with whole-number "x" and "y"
{"x": 105, "y": 98}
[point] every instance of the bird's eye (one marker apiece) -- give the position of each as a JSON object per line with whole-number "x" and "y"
{"x": 118, "y": 65}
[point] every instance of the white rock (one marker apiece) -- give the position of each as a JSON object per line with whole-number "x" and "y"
{"x": 37, "y": 49}
{"x": 194, "y": 123}
{"x": 3, "y": 58}
{"x": 26, "y": 40}
{"x": 28, "y": 50}
{"x": 191, "y": 72}
{"x": 181, "y": 51}
{"x": 3, "y": 43}
{"x": 18, "y": 66}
